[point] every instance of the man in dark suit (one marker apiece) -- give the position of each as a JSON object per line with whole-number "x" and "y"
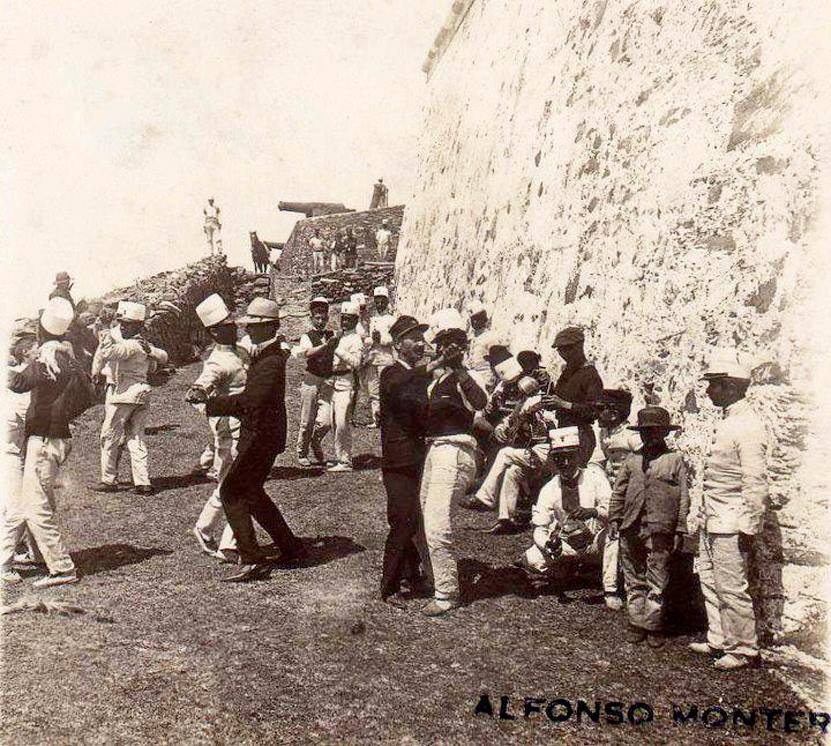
{"x": 261, "y": 409}
{"x": 403, "y": 387}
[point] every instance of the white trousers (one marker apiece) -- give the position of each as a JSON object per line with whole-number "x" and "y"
{"x": 507, "y": 476}
{"x": 318, "y": 261}
{"x": 315, "y": 415}
{"x": 32, "y": 507}
{"x": 342, "y": 425}
{"x": 449, "y": 469}
{"x": 124, "y": 425}
{"x": 226, "y": 437}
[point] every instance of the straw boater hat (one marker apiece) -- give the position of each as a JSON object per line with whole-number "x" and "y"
{"x": 212, "y": 312}
{"x": 57, "y": 316}
{"x": 260, "y": 311}
{"x": 726, "y": 362}
{"x": 654, "y": 417}
{"x": 129, "y": 311}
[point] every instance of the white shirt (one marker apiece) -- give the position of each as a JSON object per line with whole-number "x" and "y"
{"x": 380, "y": 353}
{"x": 212, "y": 213}
{"x": 317, "y": 244}
{"x": 348, "y": 358}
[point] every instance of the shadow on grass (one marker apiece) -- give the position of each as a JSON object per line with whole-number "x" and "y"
{"x": 324, "y": 549}
{"x": 289, "y": 473}
{"x": 112, "y": 556}
{"x": 483, "y": 581}
{"x": 366, "y": 461}
{"x": 156, "y": 429}
{"x": 178, "y": 481}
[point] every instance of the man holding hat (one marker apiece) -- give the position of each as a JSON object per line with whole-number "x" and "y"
{"x": 733, "y": 506}
{"x": 348, "y": 358}
{"x": 648, "y": 510}
{"x": 315, "y": 391}
{"x": 481, "y": 340}
{"x": 569, "y": 516}
{"x": 453, "y": 397}
{"x": 379, "y": 354}
{"x": 223, "y": 374}
{"x": 261, "y": 409}
{"x": 130, "y": 359}
{"x": 53, "y": 380}
{"x": 403, "y": 386}
{"x": 63, "y": 286}
{"x": 577, "y": 389}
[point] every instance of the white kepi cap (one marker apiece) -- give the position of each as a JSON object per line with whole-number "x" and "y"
{"x": 129, "y": 311}
{"x": 213, "y": 311}
{"x": 564, "y": 439}
{"x": 349, "y": 308}
{"x": 358, "y": 298}
{"x": 57, "y": 316}
{"x": 727, "y": 362}
{"x": 380, "y": 292}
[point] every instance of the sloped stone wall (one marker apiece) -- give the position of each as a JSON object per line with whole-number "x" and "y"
{"x": 649, "y": 171}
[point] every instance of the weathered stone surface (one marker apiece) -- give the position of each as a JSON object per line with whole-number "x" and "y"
{"x": 650, "y": 172}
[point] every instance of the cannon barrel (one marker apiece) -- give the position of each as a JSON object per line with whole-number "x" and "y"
{"x": 313, "y": 209}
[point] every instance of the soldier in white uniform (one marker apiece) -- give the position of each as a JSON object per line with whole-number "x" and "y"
{"x": 222, "y": 374}
{"x": 126, "y": 404}
{"x": 212, "y": 227}
{"x": 379, "y": 350}
{"x": 348, "y": 358}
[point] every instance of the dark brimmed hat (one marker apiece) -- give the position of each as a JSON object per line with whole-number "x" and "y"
{"x": 571, "y": 335}
{"x": 62, "y": 278}
{"x": 528, "y": 359}
{"x": 654, "y": 417}
{"x": 404, "y": 325}
{"x": 498, "y": 354}
{"x": 619, "y": 397}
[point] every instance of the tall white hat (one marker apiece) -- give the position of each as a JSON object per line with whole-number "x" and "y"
{"x": 57, "y": 316}
{"x": 381, "y": 292}
{"x": 564, "y": 439}
{"x": 129, "y": 311}
{"x": 358, "y": 298}
{"x": 727, "y": 362}
{"x": 213, "y": 311}
{"x": 349, "y": 308}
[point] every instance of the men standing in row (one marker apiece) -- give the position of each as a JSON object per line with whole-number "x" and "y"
{"x": 130, "y": 358}
{"x": 261, "y": 409}
{"x": 222, "y": 374}
{"x": 52, "y": 379}
{"x": 315, "y": 391}
{"x": 450, "y": 464}
{"x": 732, "y": 511}
{"x": 379, "y": 354}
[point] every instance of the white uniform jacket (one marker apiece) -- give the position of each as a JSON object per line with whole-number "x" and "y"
{"x": 129, "y": 365}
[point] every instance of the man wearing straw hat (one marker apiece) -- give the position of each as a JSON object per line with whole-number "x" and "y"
{"x": 733, "y": 506}
{"x": 261, "y": 409}
{"x": 49, "y": 378}
{"x": 223, "y": 373}
{"x": 130, "y": 358}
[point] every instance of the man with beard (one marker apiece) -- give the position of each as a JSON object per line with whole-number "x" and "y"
{"x": 261, "y": 409}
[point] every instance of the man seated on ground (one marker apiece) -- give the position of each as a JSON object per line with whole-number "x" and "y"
{"x": 569, "y": 516}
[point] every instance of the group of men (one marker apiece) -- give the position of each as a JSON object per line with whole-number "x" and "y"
{"x": 467, "y": 422}
{"x": 341, "y": 250}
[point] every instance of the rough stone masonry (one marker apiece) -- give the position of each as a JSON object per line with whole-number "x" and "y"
{"x": 650, "y": 171}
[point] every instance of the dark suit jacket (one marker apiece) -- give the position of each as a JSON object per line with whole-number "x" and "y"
{"x": 261, "y": 406}
{"x": 403, "y": 415}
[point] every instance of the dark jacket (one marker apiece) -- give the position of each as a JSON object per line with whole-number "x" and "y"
{"x": 62, "y": 292}
{"x": 581, "y": 385}
{"x": 403, "y": 415}
{"x": 261, "y": 406}
{"x": 46, "y": 415}
{"x": 655, "y": 499}
{"x": 447, "y": 412}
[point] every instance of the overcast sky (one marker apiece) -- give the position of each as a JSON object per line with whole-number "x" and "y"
{"x": 124, "y": 117}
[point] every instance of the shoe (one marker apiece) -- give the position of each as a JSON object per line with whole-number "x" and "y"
{"x": 396, "y": 600}
{"x": 703, "y": 648}
{"x": 340, "y": 467}
{"x": 60, "y": 578}
{"x": 144, "y": 489}
{"x": 247, "y": 573}
{"x": 635, "y": 635}
{"x": 471, "y": 502}
{"x": 655, "y": 640}
{"x": 439, "y": 608}
{"x": 227, "y": 556}
{"x": 10, "y": 577}
{"x": 213, "y": 476}
{"x": 504, "y": 526}
{"x": 613, "y": 602}
{"x": 105, "y": 487}
{"x": 730, "y": 662}
{"x": 304, "y": 462}
{"x": 206, "y": 543}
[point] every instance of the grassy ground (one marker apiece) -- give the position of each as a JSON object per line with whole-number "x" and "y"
{"x": 167, "y": 654}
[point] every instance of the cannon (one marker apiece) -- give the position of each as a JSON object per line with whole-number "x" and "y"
{"x": 314, "y": 209}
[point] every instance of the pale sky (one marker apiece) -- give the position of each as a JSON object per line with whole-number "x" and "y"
{"x": 122, "y": 118}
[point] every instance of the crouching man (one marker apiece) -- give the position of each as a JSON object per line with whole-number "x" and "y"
{"x": 570, "y": 515}
{"x": 649, "y": 509}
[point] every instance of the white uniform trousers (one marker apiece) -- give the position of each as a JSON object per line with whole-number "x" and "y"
{"x": 315, "y": 415}
{"x": 226, "y": 437}
{"x": 342, "y": 425}
{"x": 507, "y": 475}
{"x": 33, "y": 505}
{"x": 124, "y": 425}
{"x": 449, "y": 470}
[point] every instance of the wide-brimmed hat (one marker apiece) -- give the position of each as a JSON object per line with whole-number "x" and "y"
{"x": 654, "y": 417}
{"x": 562, "y": 439}
{"x": 406, "y": 324}
{"x": 571, "y": 335}
{"x": 62, "y": 277}
{"x": 212, "y": 311}
{"x": 617, "y": 397}
{"x": 57, "y": 316}
{"x": 727, "y": 362}
{"x": 260, "y": 311}
{"x": 130, "y": 311}
{"x": 497, "y": 354}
